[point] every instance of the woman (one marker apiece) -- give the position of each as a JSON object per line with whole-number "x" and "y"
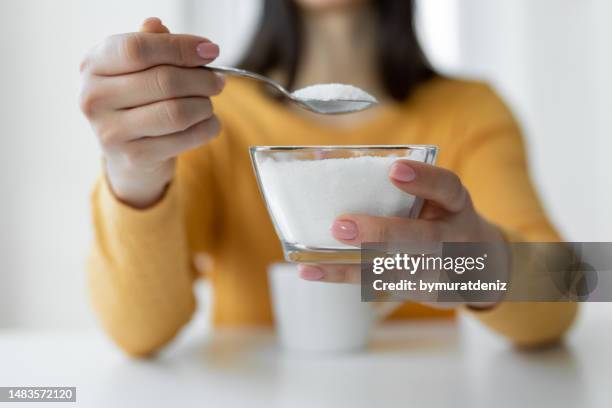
{"x": 177, "y": 187}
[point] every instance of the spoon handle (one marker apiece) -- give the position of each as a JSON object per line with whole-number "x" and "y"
{"x": 247, "y": 74}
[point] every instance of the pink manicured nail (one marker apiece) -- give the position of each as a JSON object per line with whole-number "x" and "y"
{"x": 311, "y": 273}
{"x": 402, "y": 173}
{"x": 208, "y": 50}
{"x": 345, "y": 230}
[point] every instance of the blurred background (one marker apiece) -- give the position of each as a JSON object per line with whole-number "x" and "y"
{"x": 550, "y": 59}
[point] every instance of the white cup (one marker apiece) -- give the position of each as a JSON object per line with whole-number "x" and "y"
{"x": 319, "y": 316}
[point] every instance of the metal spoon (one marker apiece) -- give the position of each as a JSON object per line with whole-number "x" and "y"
{"x": 326, "y": 107}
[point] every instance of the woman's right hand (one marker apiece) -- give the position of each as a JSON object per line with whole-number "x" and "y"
{"x": 148, "y": 100}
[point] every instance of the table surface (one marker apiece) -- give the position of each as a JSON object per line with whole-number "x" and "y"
{"x": 409, "y": 364}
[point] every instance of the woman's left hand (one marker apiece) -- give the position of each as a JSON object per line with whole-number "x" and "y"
{"x": 448, "y": 215}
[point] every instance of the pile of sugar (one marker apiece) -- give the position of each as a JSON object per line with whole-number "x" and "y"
{"x": 330, "y": 92}
{"x": 306, "y": 196}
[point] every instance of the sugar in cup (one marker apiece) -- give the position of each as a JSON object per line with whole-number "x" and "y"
{"x": 306, "y": 187}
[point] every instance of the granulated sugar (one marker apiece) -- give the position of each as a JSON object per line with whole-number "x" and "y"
{"x": 331, "y": 92}
{"x": 306, "y": 196}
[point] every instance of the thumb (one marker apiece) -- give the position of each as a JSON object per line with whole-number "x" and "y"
{"x": 154, "y": 25}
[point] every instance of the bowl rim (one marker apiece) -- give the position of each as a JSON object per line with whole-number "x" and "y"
{"x": 254, "y": 149}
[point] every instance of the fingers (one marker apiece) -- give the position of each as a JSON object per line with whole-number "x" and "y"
{"x": 154, "y": 85}
{"x": 156, "y": 119}
{"x": 352, "y": 274}
{"x": 331, "y": 273}
{"x": 357, "y": 229}
{"x": 125, "y": 53}
{"x": 147, "y": 150}
{"x": 436, "y": 184}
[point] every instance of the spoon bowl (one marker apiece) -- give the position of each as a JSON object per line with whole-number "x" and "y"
{"x": 321, "y": 106}
{"x": 335, "y": 106}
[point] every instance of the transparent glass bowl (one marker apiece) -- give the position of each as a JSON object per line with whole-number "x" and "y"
{"x": 306, "y": 187}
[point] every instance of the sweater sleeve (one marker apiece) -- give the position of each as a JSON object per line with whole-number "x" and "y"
{"x": 140, "y": 266}
{"x": 507, "y": 198}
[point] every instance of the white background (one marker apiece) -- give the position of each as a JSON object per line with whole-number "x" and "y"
{"x": 551, "y": 59}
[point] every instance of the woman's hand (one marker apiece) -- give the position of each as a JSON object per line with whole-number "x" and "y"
{"x": 147, "y": 101}
{"x": 447, "y": 216}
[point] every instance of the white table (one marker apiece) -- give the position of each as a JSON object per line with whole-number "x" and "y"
{"x": 408, "y": 365}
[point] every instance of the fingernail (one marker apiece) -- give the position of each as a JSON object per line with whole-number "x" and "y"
{"x": 311, "y": 273}
{"x": 208, "y": 50}
{"x": 345, "y": 230}
{"x": 220, "y": 80}
{"x": 402, "y": 173}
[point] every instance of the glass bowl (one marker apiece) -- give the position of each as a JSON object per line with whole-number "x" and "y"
{"x": 306, "y": 187}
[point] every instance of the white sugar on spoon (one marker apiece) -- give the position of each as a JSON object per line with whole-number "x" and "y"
{"x": 335, "y": 97}
{"x": 328, "y": 99}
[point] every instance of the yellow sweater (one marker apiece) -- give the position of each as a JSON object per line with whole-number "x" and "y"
{"x": 144, "y": 262}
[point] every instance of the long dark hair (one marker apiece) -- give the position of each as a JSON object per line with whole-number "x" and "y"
{"x": 402, "y": 64}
